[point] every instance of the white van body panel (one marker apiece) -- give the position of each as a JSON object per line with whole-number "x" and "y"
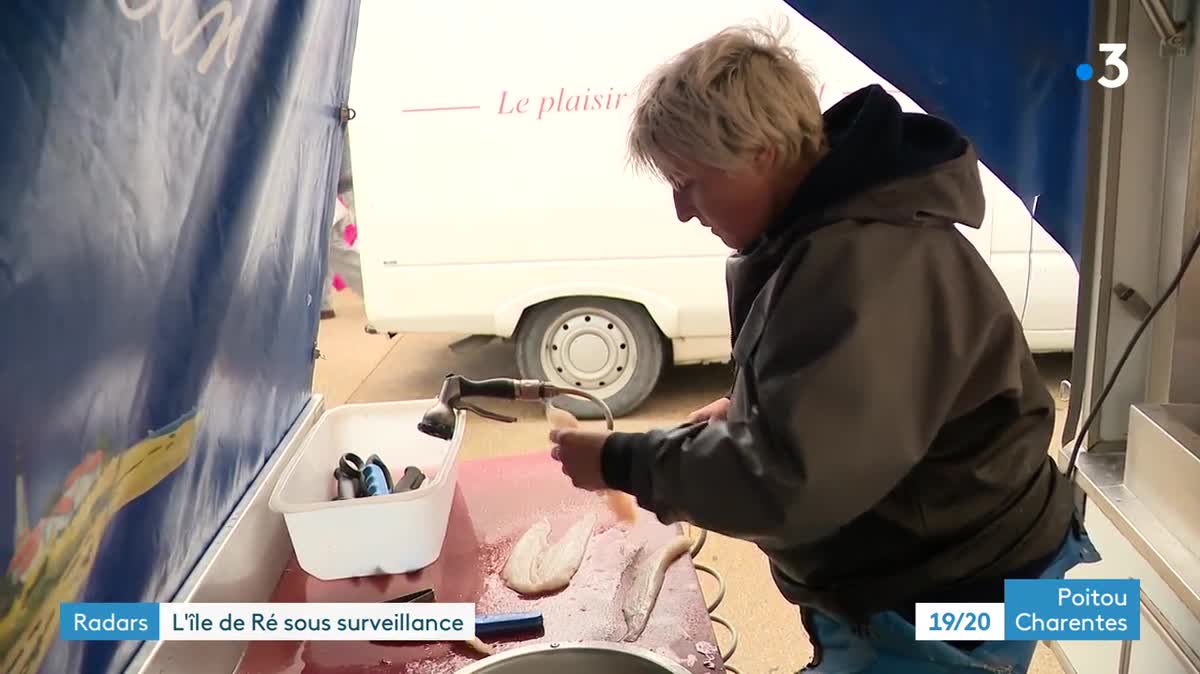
{"x": 490, "y": 170}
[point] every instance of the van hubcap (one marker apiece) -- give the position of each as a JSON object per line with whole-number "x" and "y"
{"x": 589, "y": 349}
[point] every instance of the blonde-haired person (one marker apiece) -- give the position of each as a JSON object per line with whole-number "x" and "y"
{"x": 885, "y": 441}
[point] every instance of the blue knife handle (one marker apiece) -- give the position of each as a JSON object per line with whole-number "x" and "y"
{"x": 503, "y": 623}
{"x": 374, "y": 481}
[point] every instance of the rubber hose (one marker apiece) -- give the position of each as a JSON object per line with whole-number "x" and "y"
{"x": 697, "y": 546}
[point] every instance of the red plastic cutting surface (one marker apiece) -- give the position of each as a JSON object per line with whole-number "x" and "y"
{"x": 496, "y": 501}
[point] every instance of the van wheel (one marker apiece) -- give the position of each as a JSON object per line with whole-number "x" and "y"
{"x": 609, "y": 348}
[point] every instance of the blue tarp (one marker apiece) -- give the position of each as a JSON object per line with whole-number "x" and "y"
{"x": 167, "y": 172}
{"x": 1003, "y": 71}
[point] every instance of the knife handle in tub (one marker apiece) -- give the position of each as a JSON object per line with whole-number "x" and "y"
{"x": 347, "y": 487}
{"x": 374, "y": 480}
{"x": 504, "y": 623}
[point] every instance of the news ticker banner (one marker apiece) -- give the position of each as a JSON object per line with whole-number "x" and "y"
{"x": 1041, "y": 610}
{"x": 419, "y": 621}
{"x": 1033, "y": 610}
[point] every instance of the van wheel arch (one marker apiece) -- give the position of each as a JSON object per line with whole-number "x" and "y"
{"x": 609, "y": 347}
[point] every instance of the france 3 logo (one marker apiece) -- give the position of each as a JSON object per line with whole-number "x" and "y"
{"x": 1116, "y": 70}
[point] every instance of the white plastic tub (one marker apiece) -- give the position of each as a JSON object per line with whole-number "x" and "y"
{"x": 390, "y": 534}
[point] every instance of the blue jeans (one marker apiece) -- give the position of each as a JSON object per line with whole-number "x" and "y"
{"x": 888, "y": 645}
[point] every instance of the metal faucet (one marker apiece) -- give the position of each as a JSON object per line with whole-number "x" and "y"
{"x": 438, "y": 421}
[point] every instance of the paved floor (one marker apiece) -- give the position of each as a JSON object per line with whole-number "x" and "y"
{"x": 358, "y": 367}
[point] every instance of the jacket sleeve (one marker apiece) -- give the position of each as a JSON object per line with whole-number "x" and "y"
{"x": 856, "y": 372}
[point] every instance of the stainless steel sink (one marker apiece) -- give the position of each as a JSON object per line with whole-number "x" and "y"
{"x": 577, "y": 658}
{"x": 1162, "y": 466}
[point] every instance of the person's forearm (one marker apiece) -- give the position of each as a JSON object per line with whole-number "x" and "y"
{"x": 711, "y": 475}
{"x": 616, "y": 459}
{"x": 739, "y": 479}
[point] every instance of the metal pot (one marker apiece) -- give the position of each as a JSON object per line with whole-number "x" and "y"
{"x": 578, "y": 658}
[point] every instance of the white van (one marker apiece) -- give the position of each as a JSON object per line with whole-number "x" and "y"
{"x": 493, "y": 196}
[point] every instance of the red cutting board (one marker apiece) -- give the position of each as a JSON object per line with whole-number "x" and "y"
{"x": 495, "y": 502}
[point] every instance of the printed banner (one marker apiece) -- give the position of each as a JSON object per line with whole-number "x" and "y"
{"x": 170, "y": 184}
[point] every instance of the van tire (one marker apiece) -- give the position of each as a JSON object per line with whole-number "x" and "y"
{"x": 586, "y": 343}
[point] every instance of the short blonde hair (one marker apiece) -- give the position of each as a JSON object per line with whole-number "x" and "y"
{"x": 724, "y": 99}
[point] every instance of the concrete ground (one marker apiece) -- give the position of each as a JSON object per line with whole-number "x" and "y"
{"x": 357, "y": 367}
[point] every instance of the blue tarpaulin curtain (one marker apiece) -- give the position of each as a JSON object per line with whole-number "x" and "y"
{"x": 167, "y": 170}
{"x": 1003, "y": 71}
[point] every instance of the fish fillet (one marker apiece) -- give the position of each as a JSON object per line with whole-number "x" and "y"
{"x": 643, "y": 580}
{"x": 480, "y": 647}
{"x": 621, "y": 504}
{"x": 536, "y": 567}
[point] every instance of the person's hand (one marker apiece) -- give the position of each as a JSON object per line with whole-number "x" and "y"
{"x": 579, "y": 453}
{"x": 717, "y": 410}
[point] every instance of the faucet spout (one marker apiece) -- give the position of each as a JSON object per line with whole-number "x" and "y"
{"x": 439, "y": 420}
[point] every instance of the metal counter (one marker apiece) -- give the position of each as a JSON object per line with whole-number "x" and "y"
{"x": 1162, "y": 517}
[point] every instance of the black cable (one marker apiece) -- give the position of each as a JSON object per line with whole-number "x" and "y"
{"x": 1112, "y": 377}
